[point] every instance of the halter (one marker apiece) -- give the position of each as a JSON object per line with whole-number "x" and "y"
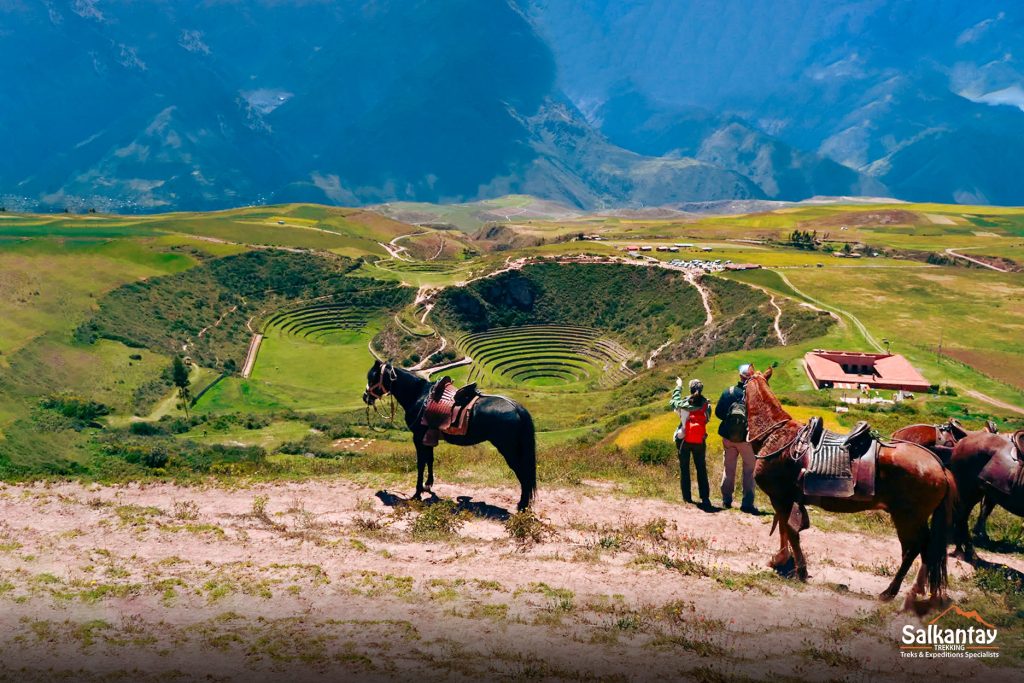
{"x": 377, "y": 391}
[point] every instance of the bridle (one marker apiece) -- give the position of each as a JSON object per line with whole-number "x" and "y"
{"x": 379, "y": 390}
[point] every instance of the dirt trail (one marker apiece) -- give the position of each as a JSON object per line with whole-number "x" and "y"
{"x": 324, "y": 578}
{"x": 993, "y": 401}
{"x": 251, "y": 353}
{"x": 778, "y": 319}
{"x": 979, "y": 262}
{"x": 846, "y": 314}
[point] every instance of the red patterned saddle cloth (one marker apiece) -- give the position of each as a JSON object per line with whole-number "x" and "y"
{"x": 448, "y": 410}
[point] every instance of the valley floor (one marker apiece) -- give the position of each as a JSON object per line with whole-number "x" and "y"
{"x": 331, "y": 578}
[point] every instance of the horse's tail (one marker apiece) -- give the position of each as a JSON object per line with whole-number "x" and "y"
{"x": 526, "y": 467}
{"x": 938, "y": 537}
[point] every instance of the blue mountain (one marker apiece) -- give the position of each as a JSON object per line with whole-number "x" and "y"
{"x": 121, "y": 105}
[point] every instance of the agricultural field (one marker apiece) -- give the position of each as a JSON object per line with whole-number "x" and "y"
{"x": 270, "y": 495}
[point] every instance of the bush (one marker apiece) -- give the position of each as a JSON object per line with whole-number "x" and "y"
{"x": 442, "y": 518}
{"x": 653, "y": 451}
{"x": 74, "y": 407}
{"x": 145, "y": 429}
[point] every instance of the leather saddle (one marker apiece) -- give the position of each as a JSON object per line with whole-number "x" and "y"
{"x": 837, "y": 465}
{"x": 1005, "y": 469}
{"x": 447, "y": 410}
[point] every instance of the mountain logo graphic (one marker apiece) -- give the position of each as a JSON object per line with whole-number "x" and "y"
{"x": 973, "y": 614}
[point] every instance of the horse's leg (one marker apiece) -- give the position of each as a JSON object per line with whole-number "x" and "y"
{"x": 509, "y": 449}
{"x": 798, "y": 553}
{"x": 917, "y": 588}
{"x": 913, "y": 537}
{"x": 421, "y": 462}
{"x": 987, "y": 505}
{"x": 961, "y": 525}
{"x": 781, "y": 517}
{"x": 430, "y": 471}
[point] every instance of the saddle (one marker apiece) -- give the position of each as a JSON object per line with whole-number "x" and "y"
{"x": 447, "y": 410}
{"x": 1005, "y": 469}
{"x": 837, "y": 465}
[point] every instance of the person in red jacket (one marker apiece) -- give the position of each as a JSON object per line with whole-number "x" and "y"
{"x": 691, "y": 438}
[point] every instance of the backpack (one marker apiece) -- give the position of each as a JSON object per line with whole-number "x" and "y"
{"x": 695, "y": 429}
{"x": 734, "y": 426}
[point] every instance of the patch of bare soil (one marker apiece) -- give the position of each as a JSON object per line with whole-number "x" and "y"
{"x": 329, "y": 579}
{"x": 873, "y": 217}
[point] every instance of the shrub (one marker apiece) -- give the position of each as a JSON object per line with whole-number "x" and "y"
{"x": 74, "y": 407}
{"x": 145, "y": 429}
{"x": 526, "y": 528}
{"x": 653, "y": 451}
{"x": 442, "y": 518}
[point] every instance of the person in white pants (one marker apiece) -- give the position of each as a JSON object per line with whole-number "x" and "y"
{"x": 731, "y": 411}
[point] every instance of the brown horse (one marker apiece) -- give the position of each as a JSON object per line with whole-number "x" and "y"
{"x": 969, "y": 458}
{"x": 912, "y": 486}
{"x": 939, "y": 439}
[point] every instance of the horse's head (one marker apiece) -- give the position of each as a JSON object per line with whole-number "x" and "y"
{"x": 764, "y": 412}
{"x": 378, "y": 381}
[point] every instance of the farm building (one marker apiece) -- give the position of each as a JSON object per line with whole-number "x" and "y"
{"x": 854, "y": 369}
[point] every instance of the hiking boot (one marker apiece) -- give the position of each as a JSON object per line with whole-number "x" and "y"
{"x": 687, "y": 499}
{"x": 750, "y": 509}
{"x": 705, "y": 505}
{"x": 727, "y": 504}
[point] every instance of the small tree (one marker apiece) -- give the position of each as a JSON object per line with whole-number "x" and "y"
{"x": 847, "y": 249}
{"x": 180, "y": 378}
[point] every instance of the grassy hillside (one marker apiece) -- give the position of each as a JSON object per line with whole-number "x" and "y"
{"x": 207, "y": 312}
{"x": 638, "y": 306}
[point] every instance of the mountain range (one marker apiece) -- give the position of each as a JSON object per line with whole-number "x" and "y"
{"x": 121, "y": 105}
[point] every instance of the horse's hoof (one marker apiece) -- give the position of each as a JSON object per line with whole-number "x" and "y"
{"x": 886, "y": 596}
{"x": 417, "y": 496}
{"x": 801, "y": 573}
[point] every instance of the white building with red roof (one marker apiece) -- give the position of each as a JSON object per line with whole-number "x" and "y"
{"x": 854, "y": 369}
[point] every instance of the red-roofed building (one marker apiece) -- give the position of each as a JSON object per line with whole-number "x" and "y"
{"x": 853, "y": 369}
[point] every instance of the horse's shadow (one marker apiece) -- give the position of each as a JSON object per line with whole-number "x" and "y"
{"x": 478, "y": 509}
{"x": 998, "y": 545}
{"x": 1013, "y": 576}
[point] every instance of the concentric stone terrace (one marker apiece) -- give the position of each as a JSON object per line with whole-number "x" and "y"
{"x": 317, "y": 321}
{"x": 543, "y": 355}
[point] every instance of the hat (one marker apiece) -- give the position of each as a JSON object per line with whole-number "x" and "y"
{"x": 696, "y": 386}
{"x": 746, "y": 370}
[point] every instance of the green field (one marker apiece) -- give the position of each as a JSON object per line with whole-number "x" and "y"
{"x": 95, "y": 306}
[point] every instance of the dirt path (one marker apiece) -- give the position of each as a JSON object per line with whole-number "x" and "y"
{"x": 250, "y": 355}
{"x": 395, "y": 251}
{"x": 979, "y": 262}
{"x": 838, "y": 311}
{"x": 218, "y": 321}
{"x": 331, "y": 579}
{"x": 778, "y": 319}
{"x": 655, "y": 353}
{"x": 993, "y": 401}
{"x": 705, "y": 297}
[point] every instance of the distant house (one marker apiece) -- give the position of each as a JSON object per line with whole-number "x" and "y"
{"x": 705, "y": 249}
{"x": 854, "y": 369}
{"x": 645, "y": 248}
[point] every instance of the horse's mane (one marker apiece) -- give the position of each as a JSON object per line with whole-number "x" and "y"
{"x": 765, "y": 410}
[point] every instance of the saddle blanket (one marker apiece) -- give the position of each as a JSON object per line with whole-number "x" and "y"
{"x": 832, "y": 471}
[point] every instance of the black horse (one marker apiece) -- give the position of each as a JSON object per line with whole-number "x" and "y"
{"x": 499, "y": 420}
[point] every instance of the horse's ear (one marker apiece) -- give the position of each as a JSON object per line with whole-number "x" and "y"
{"x": 376, "y": 363}
{"x": 767, "y": 374}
